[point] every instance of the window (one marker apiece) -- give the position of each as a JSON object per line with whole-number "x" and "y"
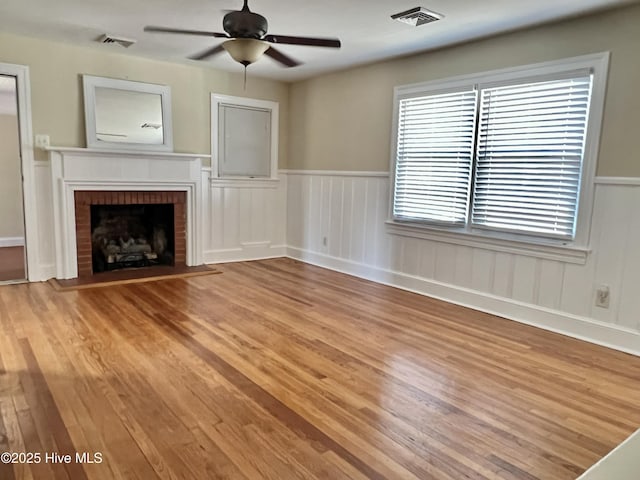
{"x": 244, "y": 138}
{"x": 506, "y": 155}
{"x": 435, "y": 156}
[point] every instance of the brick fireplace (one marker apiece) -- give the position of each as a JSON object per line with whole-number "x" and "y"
{"x": 82, "y": 177}
{"x": 86, "y": 199}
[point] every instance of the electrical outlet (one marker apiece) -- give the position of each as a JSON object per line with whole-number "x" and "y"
{"x": 42, "y": 141}
{"x": 603, "y": 296}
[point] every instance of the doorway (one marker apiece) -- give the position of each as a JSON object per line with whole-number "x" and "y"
{"x": 13, "y": 265}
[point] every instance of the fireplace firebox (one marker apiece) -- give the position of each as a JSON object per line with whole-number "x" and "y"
{"x": 122, "y": 229}
{"x": 124, "y": 236}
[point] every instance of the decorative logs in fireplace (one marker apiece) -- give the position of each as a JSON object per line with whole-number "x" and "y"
{"x": 124, "y": 236}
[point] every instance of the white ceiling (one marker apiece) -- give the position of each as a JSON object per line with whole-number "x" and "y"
{"x": 364, "y": 26}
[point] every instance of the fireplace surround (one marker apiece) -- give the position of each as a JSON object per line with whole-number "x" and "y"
{"x": 154, "y": 177}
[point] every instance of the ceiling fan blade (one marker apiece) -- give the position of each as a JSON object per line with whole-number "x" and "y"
{"x": 309, "y": 41}
{"x": 278, "y": 56}
{"x": 209, "y": 52}
{"x": 151, "y": 28}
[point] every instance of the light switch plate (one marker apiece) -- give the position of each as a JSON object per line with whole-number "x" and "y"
{"x": 42, "y": 141}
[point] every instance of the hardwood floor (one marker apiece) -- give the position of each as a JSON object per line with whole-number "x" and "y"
{"x": 280, "y": 370}
{"x": 12, "y": 264}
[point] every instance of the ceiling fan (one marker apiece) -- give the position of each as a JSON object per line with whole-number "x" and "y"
{"x": 248, "y": 40}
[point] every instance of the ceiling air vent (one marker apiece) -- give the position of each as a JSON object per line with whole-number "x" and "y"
{"x": 124, "y": 42}
{"x": 417, "y": 16}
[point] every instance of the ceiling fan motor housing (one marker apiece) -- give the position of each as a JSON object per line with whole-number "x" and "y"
{"x": 245, "y": 24}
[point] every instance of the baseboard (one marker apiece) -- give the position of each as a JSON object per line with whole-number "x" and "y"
{"x": 11, "y": 242}
{"x": 582, "y": 328}
{"x": 245, "y": 253}
{"x": 44, "y": 273}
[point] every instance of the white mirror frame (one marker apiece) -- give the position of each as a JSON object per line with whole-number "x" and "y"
{"x": 90, "y": 83}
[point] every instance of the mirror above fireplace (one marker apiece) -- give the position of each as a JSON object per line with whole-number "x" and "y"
{"x": 121, "y": 114}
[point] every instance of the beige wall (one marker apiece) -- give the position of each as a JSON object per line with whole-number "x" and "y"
{"x": 56, "y": 90}
{"x": 339, "y": 121}
{"x": 11, "y": 223}
{"x": 342, "y": 121}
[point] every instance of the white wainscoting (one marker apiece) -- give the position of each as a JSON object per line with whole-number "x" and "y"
{"x": 238, "y": 220}
{"x": 244, "y": 219}
{"x": 44, "y": 212}
{"x": 294, "y": 216}
{"x": 337, "y": 220}
{"x": 622, "y": 463}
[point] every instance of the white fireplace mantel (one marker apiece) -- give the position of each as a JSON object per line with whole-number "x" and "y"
{"x": 75, "y": 169}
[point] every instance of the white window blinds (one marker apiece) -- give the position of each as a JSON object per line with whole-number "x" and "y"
{"x": 434, "y": 157}
{"x": 529, "y": 156}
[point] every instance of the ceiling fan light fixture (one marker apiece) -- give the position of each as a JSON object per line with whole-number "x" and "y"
{"x": 245, "y": 50}
{"x": 247, "y": 39}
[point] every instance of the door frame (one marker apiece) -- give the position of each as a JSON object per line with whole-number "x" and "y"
{"x": 23, "y": 85}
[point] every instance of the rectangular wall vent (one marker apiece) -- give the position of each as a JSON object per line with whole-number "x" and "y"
{"x": 417, "y": 16}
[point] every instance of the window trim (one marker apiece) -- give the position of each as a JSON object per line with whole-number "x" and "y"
{"x": 216, "y": 101}
{"x": 574, "y": 251}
